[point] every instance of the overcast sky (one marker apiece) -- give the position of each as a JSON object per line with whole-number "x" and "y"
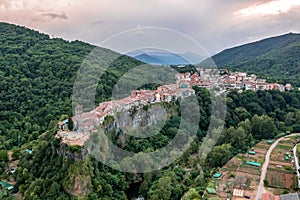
{"x": 215, "y": 24}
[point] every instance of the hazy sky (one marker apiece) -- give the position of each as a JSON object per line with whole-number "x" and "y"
{"x": 215, "y": 24}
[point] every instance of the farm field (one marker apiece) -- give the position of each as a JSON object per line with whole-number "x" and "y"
{"x": 281, "y": 170}
{"x": 241, "y": 175}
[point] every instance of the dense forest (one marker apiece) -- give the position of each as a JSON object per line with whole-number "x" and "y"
{"x": 37, "y": 77}
{"x": 276, "y": 59}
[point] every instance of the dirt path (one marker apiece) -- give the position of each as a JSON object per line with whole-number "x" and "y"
{"x": 297, "y": 164}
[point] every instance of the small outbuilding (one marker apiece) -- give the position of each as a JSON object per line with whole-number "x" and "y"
{"x": 217, "y": 175}
{"x": 211, "y": 191}
{"x": 270, "y": 141}
{"x": 6, "y": 185}
{"x": 253, "y": 163}
{"x": 238, "y": 192}
{"x": 287, "y": 157}
{"x": 28, "y": 151}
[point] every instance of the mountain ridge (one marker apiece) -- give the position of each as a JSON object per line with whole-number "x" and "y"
{"x": 167, "y": 58}
{"x": 229, "y": 55}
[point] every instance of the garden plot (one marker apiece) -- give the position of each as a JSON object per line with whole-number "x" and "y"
{"x": 281, "y": 167}
{"x": 233, "y": 164}
{"x": 279, "y": 179}
{"x": 246, "y": 168}
{"x": 242, "y": 175}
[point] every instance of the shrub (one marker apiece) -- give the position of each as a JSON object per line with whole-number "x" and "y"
{"x": 266, "y": 183}
{"x": 288, "y": 167}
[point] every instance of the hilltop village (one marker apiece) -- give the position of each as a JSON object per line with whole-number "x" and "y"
{"x": 86, "y": 122}
{"x": 221, "y": 78}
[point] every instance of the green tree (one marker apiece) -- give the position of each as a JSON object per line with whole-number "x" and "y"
{"x": 162, "y": 190}
{"x": 297, "y": 117}
{"x": 70, "y": 122}
{"x": 268, "y": 128}
{"x": 3, "y": 156}
{"x": 219, "y": 155}
{"x": 289, "y": 119}
{"x": 256, "y": 126}
{"x": 16, "y": 152}
{"x": 145, "y": 184}
{"x": 239, "y": 138}
{"x": 192, "y": 194}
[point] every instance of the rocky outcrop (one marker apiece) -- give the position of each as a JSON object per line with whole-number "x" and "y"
{"x": 75, "y": 153}
{"x": 138, "y": 120}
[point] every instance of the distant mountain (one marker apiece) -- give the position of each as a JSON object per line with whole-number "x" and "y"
{"x": 276, "y": 58}
{"x": 149, "y": 59}
{"x": 166, "y": 58}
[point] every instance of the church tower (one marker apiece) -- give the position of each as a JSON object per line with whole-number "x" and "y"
{"x": 78, "y": 116}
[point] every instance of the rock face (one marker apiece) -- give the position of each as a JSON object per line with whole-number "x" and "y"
{"x": 77, "y": 181}
{"x": 138, "y": 121}
{"x": 141, "y": 117}
{"x": 80, "y": 187}
{"x": 69, "y": 152}
{"x": 141, "y": 122}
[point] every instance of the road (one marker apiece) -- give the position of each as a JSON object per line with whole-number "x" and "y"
{"x": 261, "y": 188}
{"x": 297, "y": 164}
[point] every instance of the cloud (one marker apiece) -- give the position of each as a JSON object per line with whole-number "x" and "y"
{"x": 214, "y": 24}
{"x": 96, "y": 23}
{"x": 2, "y": 7}
{"x": 61, "y": 16}
{"x": 14, "y": 5}
{"x": 271, "y": 8}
